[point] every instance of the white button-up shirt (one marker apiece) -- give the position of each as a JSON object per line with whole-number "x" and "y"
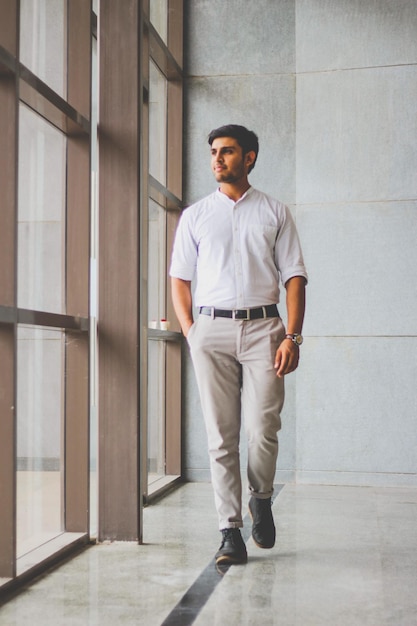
{"x": 238, "y": 251}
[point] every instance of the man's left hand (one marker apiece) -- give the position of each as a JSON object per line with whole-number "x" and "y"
{"x": 286, "y": 358}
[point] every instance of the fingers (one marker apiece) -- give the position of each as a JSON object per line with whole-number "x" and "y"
{"x": 286, "y": 360}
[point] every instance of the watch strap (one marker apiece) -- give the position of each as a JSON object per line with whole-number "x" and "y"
{"x": 295, "y": 338}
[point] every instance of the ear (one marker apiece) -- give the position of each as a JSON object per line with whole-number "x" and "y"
{"x": 250, "y": 158}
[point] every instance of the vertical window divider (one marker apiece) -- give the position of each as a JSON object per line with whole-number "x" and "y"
{"x": 9, "y": 42}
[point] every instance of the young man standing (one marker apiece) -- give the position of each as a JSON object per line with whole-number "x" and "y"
{"x": 239, "y": 243}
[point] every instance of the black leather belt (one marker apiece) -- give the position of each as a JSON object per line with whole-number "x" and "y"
{"x": 262, "y": 312}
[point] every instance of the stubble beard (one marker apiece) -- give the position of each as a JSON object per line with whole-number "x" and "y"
{"x": 230, "y": 177}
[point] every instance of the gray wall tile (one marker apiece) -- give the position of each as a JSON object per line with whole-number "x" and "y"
{"x": 356, "y": 400}
{"x": 355, "y": 33}
{"x": 263, "y": 104}
{"x": 236, "y": 37}
{"x": 361, "y": 260}
{"x": 356, "y": 135}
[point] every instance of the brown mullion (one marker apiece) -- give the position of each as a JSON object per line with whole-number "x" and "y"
{"x": 76, "y": 425}
{"x": 174, "y": 138}
{"x": 173, "y": 371}
{"x": 30, "y": 317}
{"x": 175, "y": 29}
{"x": 174, "y": 184}
{"x": 143, "y": 260}
{"x": 173, "y": 409}
{"x": 7, "y": 452}
{"x": 8, "y": 236}
{"x": 119, "y": 278}
{"x": 162, "y": 56}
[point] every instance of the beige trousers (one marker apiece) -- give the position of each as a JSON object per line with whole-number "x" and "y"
{"x": 234, "y": 367}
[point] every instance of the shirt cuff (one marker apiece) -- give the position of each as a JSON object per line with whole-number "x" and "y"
{"x": 292, "y": 272}
{"x": 184, "y": 273}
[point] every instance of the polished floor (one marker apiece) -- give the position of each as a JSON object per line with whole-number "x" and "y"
{"x": 345, "y": 556}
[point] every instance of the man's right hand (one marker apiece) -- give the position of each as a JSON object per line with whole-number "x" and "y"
{"x": 183, "y": 304}
{"x": 186, "y": 328}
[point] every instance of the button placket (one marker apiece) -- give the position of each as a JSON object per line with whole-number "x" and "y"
{"x": 237, "y": 256}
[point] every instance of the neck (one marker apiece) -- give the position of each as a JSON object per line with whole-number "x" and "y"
{"x": 235, "y": 191}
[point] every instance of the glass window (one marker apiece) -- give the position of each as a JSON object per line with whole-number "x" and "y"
{"x": 159, "y": 18}
{"x": 156, "y": 262}
{"x": 157, "y": 123}
{"x": 43, "y": 41}
{"x": 40, "y": 384}
{"x": 43, "y": 315}
{"x": 41, "y": 211}
{"x": 163, "y": 120}
{"x": 44, "y": 300}
{"x": 156, "y": 410}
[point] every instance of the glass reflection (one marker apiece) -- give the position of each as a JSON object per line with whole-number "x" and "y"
{"x": 41, "y": 211}
{"x": 157, "y": 123}
{"x": 159, "y": 18}
{"x": 156, "y": 410}
{"x": 156, "y": 349}
{"x": 43, "y": 41}
{"x": 156, "y": 261}
{"x": 40, "y": 396}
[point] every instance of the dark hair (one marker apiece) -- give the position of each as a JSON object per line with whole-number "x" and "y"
{"x": 246, "y": 139}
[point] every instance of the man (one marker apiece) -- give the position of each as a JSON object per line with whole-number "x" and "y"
{"x": 239, "y": 242}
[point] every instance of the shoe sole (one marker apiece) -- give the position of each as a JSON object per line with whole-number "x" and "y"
{"x": 230, "y": 560}
{"x": 259, "y": 545}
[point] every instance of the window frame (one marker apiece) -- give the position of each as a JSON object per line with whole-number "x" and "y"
{"x": 168, "y": 58}
{"x": 71, "y": 116}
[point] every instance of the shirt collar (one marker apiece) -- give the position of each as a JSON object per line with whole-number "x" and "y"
{"x": 226, "y": 198}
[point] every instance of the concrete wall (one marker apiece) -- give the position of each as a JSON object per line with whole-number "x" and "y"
{"x": 331, "y": 89}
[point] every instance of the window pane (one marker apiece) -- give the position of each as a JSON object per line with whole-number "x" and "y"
{"x": 159, "y": 18}
{"x": 156, "y": 262}
{"x": 157, "y": 123}
{"x": 41, "y": 223}
{"x": 40, "y": 379}
{"x": 43, "y": 41}
{"x": 156, "y": 410}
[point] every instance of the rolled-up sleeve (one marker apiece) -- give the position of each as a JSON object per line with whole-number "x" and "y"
{"x": 185, "y": 249}
{"x": 288, "y": 254}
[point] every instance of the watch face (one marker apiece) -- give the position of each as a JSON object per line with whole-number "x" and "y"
{"x": 296, "y": 338}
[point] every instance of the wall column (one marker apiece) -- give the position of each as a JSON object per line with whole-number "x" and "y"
{"x": 118, "y": 326}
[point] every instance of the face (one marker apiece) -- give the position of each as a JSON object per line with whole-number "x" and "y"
{"x": 227, "y": 161}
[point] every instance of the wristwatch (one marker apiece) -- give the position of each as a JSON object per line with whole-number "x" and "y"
{"x": 296, "y": 338}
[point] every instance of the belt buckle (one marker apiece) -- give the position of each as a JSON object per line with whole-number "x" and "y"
{"x": 243, "y": 319}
